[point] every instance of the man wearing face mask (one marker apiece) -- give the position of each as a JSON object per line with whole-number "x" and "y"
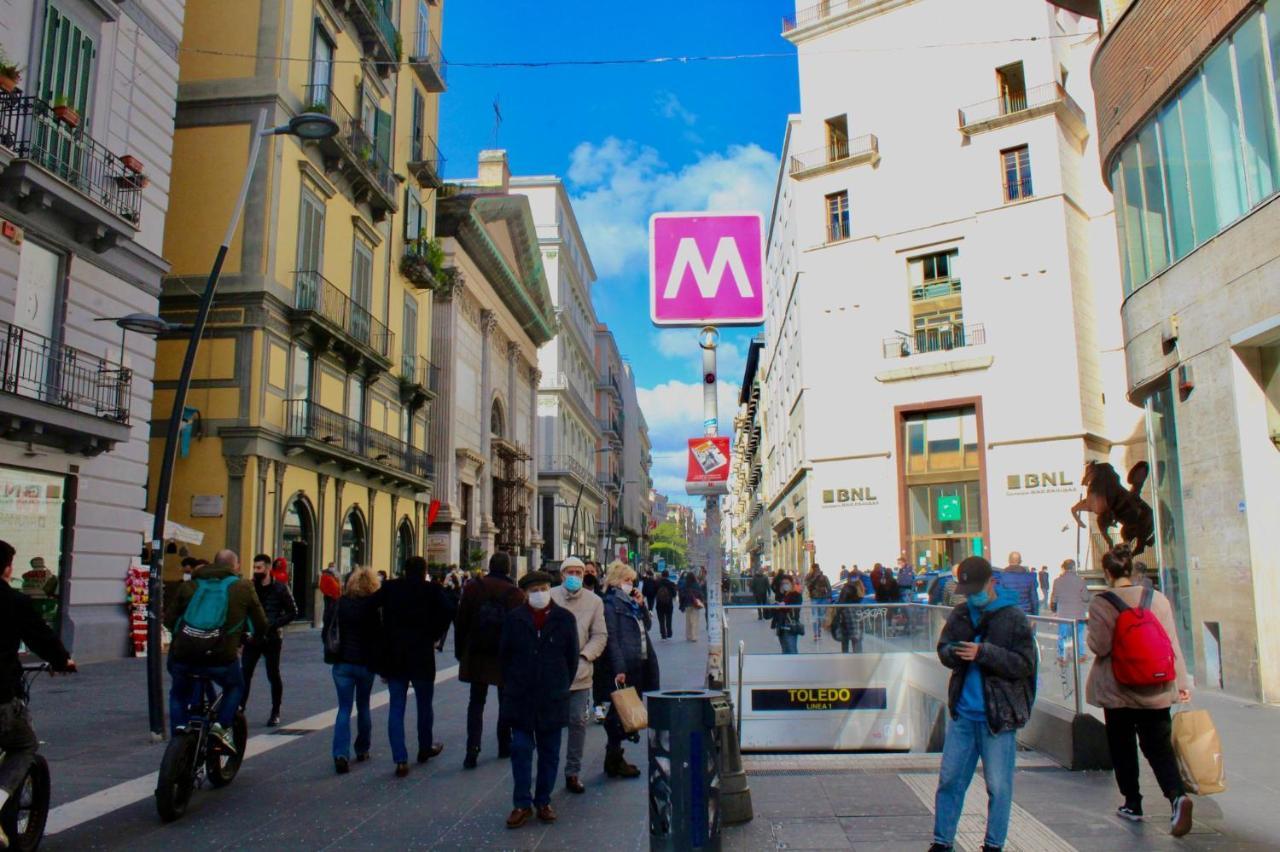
{"x": 593, "y": 635}
{"x": 989, "y": 646}
{"x": 539, "y": 655}
{"x": 277, "y": 603}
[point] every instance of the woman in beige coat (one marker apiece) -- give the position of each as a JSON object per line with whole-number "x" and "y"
{"x": 1137, "y": 714}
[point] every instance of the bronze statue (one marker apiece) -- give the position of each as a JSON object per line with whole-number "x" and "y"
{"x": 1112, "y": 504}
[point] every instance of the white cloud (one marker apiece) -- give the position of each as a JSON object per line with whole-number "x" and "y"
{"x": 618, "y": 184}
{"x": 669, "y": 106}
{"x": 682, "y": 343}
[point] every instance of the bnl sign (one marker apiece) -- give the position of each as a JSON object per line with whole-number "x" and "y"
{"x": 706, "y": 269}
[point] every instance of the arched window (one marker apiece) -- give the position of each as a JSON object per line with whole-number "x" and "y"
{"x": 404, "y": 545}
{"x": 354, "y": 541}
{"x": 497, "y": 423}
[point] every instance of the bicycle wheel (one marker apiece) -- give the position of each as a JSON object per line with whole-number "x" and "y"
{"x": 27, "y": 810}
{"x": 220, "y": 767}
{"x": 177, "y": 778}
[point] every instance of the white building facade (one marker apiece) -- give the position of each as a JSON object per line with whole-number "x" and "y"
{"x": 942, "y": 336}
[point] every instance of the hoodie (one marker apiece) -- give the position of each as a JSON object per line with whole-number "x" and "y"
{"x": 972, "y": 704}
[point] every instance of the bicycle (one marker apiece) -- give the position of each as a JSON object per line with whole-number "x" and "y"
{"x": 194, "y": 756}
{"x": 25, "y": 814}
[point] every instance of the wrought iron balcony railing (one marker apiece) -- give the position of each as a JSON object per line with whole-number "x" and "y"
{"x": 378, "y": 32}
{"x": 562, "y": 381}
{"x": 609, "y": 381}
{"x": 935, "y": 289}
{"x": 817, "y": 12}
{"x": 366, "y": 167}
{"x": 310, "y": 421}
{"x": 609, "y": 480}
{"x": 29, "y": 128}
{"x": 427, "y": 61}
{"x": 426, "y": 162}
{"x": 861, "y": 149}
{"x": 564, "y": 464}
{"x": 941, "y": 339}
{"x": 36, "y": 367}
{"x": 418, "y": 377}
{"x": 1014, "y": 104}
{"x": 315, "y": 294}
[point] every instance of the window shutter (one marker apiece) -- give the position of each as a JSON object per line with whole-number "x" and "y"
{"x": 66, "y": 67}
{"x": 382, "y": 134}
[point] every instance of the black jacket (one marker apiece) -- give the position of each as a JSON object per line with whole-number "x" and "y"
{"x": 1008, "y": 660}
{"x": 415, "y": 616}
{"x": 277, "y": 603}
{"x": 359, "y": 631}
{"x": 623, "y": 652}
{"x": 478, "y": 656}
{"x": 538, "y": 667}
{"x": 672, "y": 592}
{"x": 20, "y": 623}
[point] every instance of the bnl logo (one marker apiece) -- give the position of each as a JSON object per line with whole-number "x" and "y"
{"x": 1039, "y": 480}
{"x": 706, "y": 268}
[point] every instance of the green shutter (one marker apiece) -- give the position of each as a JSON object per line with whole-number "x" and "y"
{"x": 382, "y": 135}
{"x": 66, "y": 67}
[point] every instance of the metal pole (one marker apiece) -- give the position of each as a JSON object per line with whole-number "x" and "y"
{"x": 155, "y": 614}
{"x": 710, "y": 425}
{"x": 573, "y": 525}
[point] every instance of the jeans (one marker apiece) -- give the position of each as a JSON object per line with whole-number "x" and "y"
{"x": 1126, "y": 728}
{"x": 184, "y": 691}
{"x": 1064, "y": 637}
{"x": 966, "y": 741}
{"x": 789, "y": 642}
{"x": 19, "y": 743}
{"x": 523, "y": 743}
{"x": 269, "y": 649}
{"x": 579, "y": 718}
{"x": 664, "y": 620}
{"x": 819, "y": 613}
{"x": 354, "y": 683}
{"x": 424, "y": 688}
{"x": 475, "y": 719}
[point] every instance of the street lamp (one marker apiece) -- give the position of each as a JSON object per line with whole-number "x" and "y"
{"x": 308, "y": 126}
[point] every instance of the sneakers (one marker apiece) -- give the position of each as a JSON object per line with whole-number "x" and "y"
{"x": 1180, "y": 821}
{"x": 469, "y": 762}
{"x": 939, "y": 847}
{"x": 223, "y": 737}
{"x": 274, "y": 721}
{"x": 341, "y": 766}
{"x": 1133, "y": 813}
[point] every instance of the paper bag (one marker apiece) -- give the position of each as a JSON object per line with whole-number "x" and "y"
{"x": 1199, "y": 752}
{"x": 830, "y": 618}
{"x": 631, "y": 710}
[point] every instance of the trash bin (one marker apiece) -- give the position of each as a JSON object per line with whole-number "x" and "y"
{"x": 684, "y": 768}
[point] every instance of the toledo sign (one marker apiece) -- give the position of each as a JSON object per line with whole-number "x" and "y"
{"x": 706, "y": 269}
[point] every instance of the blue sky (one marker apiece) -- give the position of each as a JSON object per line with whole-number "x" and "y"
{"x": 631, "y": 140}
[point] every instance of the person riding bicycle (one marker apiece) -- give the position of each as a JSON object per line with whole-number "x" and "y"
{"x": 20, "y": 623}
{"x": 206, "y": 640}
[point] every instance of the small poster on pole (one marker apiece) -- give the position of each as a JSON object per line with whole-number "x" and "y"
{"x": 708, "y": 473}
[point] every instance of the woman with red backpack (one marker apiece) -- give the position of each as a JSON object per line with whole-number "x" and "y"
{"x": 1138, "y": 675}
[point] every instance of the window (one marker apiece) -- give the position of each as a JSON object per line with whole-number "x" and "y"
{"x": 414, "y": 218}
{"x": 1017, "y": 173}
{"x": 321, "y": 68}
{"x": 417, "y": 128}
{"x": 355, "y": 398}
{"x": 934, "y": 275}
{"x": 941, "y": 468}
{"x": 409, "y": 333}
{"x": 67, "y": 56}
{"x": 361, "y": 289}
{"x": 1011, "y": 81}
{"x": 937, "y": 318}
{"x": 311, "y": 233}
{"x": 837, "y": 138}
{"x": 837, "y": 216}
{"x": 300, "y": 378}
{"x": 422, "y": 36}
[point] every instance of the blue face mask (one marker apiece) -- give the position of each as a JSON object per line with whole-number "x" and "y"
{"x": 980, "y": 599}
{"x": 572, "y": 583}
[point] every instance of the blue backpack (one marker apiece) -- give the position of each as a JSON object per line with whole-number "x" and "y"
{"x": 202, "y": 628}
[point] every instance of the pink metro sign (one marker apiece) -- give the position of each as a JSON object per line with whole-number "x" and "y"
{"x": 706, "y": 269}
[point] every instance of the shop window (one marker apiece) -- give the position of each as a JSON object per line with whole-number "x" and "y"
{"x": 31, "y": 516}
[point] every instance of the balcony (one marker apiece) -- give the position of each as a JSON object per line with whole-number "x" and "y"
{"x": 58, "y": 396}
{"x": 419, "y": 380}
{"x": 562, "y": 382}
{"x": 834, "y": 156}
{"x": 378, "y": 35}
{"x": 427, "y": 61}
{"x": 66, "y": 170}
{"x": 609, "y": 481}
{"x": 941, "y": 339}
{"x": 611, "y": 427}
{"x": 426, "y": 163}
{"x": 331, "y": 317}
{"x": 817, "y": 13}
{"x": 352, "y": 152}
{"x": 331, "y": 436}
{"x": 1015, "y": 107}
{"x": 935, "y": 289}
{"x": 566, "y": 466}
{"x": 609, "y": 382}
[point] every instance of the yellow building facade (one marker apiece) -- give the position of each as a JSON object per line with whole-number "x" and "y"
{"x": 308, "y": 412}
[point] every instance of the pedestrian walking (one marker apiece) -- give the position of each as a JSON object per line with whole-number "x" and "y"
{"x": 330, "y": 585}
{"x": 691, "y": 605}
{"x": 1044, "y": 585}
{"x": 1070, "y": 599}
{"x": 1021, "y": 584}
{"x": 538, "y": 657}
{"x": 886, "y": 584}
{"x": 352, "y": 634}
{"x": 278, "y": 604}
{"x": 844, "y": 573}
{"x": 631, "y": 657}
{"x": 785, "y": 618}
{"x": 990, "y": 648}
{"x": 649, "y": 588}
{"x": 760, "y": 591}
{"x": 664, "y": 603}
{"x": 819, "y": 589}
{"x": 845, "y": 626}
{"x": 280, "y": 570}
{"x": 593, "y": 635}
{"x": 476, "y": 641}
{"x": 906, "y": 578}
{"x": 416, "y": 613}
{"x": 1136, "y": 709}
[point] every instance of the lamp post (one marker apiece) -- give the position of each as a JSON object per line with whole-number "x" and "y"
{"x": 306, "y": 126}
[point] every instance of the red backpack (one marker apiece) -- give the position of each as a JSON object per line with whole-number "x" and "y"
{"x": 1141, "y": 653}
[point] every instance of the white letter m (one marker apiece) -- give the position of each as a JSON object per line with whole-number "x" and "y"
{"x": 708, "y": 280}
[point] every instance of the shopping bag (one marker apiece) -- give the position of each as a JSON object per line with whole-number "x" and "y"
{"x": 631, "y": 710}
{"x": 1199, "y": 752}
{"x": 829, "y": 619}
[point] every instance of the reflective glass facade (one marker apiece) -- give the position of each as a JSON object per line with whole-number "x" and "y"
{"x": 1208, "y": 156}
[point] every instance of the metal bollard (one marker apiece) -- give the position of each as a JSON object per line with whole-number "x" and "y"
{"x": 684, "y": 769}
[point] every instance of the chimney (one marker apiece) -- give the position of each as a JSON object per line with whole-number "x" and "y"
{"x": 494, "y": 171}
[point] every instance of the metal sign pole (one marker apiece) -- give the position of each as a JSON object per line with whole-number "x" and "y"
{"x": 707, "y": 339}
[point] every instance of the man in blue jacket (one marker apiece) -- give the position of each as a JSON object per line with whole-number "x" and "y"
{"x": 539, "y": 658}
{"x": 1020, "y": 585}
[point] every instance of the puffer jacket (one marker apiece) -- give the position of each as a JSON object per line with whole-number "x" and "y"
{"x": 359, "y": 631}
{"x": 1023, "y": 586}
{"x": 277, "y": 603}
{"x": 1007, "y": 659}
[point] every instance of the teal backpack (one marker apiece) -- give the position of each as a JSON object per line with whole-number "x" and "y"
{"x": 202, "y": 628}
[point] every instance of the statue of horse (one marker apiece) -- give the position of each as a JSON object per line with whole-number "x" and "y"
{"x": 1111, "y": 503}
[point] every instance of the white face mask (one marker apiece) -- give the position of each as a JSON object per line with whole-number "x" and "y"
{"x": 627, "y": 588}
{"x": 540, "y": 600}
{"x": 786, "y": 587}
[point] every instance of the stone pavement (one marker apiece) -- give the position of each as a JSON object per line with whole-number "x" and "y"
{"x": 289, "y": 798}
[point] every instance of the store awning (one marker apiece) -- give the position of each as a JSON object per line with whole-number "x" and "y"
{"x": 173, "y": 531}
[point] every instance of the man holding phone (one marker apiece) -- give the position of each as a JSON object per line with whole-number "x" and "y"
{"x": 989, "y": 645}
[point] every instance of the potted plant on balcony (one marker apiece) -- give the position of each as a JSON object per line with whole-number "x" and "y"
{"x": 65, "y": 112}
{"x": 132, "y": 163}
{"x": 421, "y": 258}
{"x": 317, "y": 106}
{"x": 10, "y": 73}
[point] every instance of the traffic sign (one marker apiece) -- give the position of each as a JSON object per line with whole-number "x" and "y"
{"x": 706, "y": 269}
